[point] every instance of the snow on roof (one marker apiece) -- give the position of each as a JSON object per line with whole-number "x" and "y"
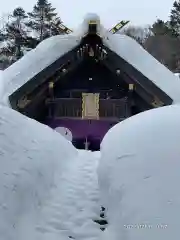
{"x": 139, "y": 175}
{"x": 31, "y": 155}
{"x": 138, "y": 57}
{"x": 51, "y": 49}
{"x": 42, "y": 56}
{"x": 35, "y": 61}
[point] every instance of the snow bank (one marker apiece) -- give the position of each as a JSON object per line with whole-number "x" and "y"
{"x": 65, "y": 132}
{"x": 139, "y": 176}
{"x": 31, "y": 155}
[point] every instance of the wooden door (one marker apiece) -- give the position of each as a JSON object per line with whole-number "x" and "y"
{"x": 90, "y": 105}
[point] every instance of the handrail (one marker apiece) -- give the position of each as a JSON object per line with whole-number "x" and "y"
{"x": 72, "y": 107}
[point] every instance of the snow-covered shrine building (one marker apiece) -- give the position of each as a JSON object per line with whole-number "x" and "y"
{"x": 87, "y": 81}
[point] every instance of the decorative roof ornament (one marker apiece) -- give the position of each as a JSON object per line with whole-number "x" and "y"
{"x": 91, "y": 52}
{"x": 92, "y": 20}
{"x": 118, "y": 26}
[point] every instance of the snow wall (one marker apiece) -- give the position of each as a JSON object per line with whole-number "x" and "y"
{"x": 139, "y": 174}
{"x": 31, "y": 154}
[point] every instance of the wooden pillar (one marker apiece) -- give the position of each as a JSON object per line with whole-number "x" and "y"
{"x": 130, "y": 99}
{"x": 51, "y": 96}
{"x": 86, "y": 143}
{"x": 131, "y": 87}
{"x": 51, "y": 89}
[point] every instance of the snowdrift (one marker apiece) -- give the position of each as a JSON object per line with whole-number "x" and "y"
{"x": 139, "y": 176}
{"x": 31, "y": 155}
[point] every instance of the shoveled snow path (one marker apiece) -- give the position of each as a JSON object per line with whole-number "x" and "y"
{"x": 74, "y": 202}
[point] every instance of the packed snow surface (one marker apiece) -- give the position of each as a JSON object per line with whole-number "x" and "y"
{"x": 74, "y": 203}
{"x": 49, "y": 189}
{"x": 139, "y": 176}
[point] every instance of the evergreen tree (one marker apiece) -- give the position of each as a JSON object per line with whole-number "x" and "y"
{"x": 175, "y": 18}
{"x": 4, "y": 59}
{"x": 161, "y": 28}
{"x": 14, "y": 35}
{"x": 44, "y": 20}
{"x": 163, "y": 44}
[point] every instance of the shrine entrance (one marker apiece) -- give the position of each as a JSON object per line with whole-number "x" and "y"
{"x": 90, "y": 111}
{"x": 87, "y": 144}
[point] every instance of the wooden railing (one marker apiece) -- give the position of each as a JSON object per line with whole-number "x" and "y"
{"x": 113, "y": 108}
{"x": 72, "y": 108}
{"x": 65, "y": 107}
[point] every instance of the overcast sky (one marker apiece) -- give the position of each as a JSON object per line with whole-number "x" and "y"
{"x": 110, "y": 11}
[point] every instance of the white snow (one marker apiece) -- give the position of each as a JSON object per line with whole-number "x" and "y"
{"x": 65, "y": 132}
{"x": 139, "y": 176}
{"x": 83, "y": 28}
{"x": 177, "y": 75}
{"x": 53, "y": 48}
{"x": 74, "y": 203}
{"x": 49, "y": 190}
{"x": 31, "y": 156}
{"x": 138, "y": 57}
{"x": 35, "y": 61}
{"x": 47, "y": 52}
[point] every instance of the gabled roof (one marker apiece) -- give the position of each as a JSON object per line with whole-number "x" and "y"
{"x": 145, "y": 63}
{"x": 53, "y": 48}
{"x": 35, "y": 61}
